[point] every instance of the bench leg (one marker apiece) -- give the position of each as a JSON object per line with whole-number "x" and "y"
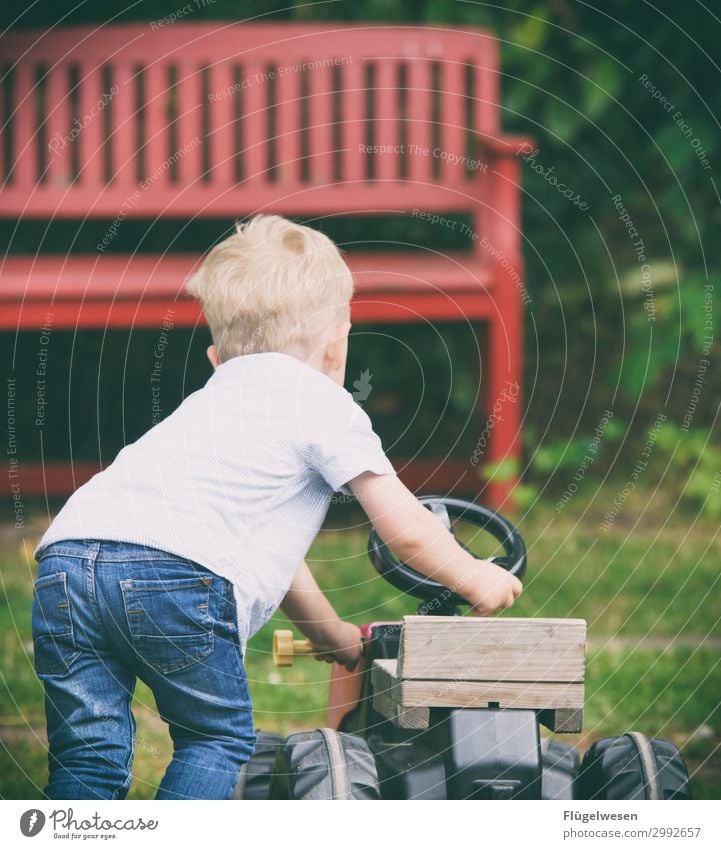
{"x": 503, "y": 401}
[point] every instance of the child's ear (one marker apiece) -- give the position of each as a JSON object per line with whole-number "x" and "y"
{"x": 212, "y": 355}
{"x": 337, "y": 348}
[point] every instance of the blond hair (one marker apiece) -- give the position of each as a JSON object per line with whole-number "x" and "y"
{"x": 270, "y": 286}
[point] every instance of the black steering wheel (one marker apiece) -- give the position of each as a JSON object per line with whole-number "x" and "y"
{"x": 403, "y": 578}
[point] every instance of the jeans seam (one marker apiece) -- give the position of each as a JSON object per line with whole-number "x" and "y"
{"x": 132, "y": 728}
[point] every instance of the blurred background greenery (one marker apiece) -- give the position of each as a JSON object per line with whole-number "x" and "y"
{"x": 577, "y": 78}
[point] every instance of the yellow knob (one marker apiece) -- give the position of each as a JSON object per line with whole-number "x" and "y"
{"x": 285, "y": 648}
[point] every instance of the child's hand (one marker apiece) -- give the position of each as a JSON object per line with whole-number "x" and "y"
{"x": 341, "y": 644}
{"x": 491, "y": 588}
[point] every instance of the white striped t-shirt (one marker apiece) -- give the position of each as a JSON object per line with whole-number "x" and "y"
{"x": 237, "y": 479}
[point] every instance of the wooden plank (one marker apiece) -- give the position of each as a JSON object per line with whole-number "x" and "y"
{"x": 123, "y": 142}
{"x": 353, "y": 125}
{"x": 204, "y": 200}
{"x": 93, "y": 100}
{"x": 438, "y": 693}
{"x": 97, "y": 275}
{"x": 222, "y": 104}
{"x": 419, "y": 139}
{"x": 58, "y": 127}
{"x": 458, "y": 648}
{"x": 321, "y": 149}
{"x": 254, "y": 122}
{"x": 190, "y": 140}
{"x": 453, "y": 124}
{"x": 413, "y": 718}
{"x": 397, "y": 700}
{"x": 287, "y": 126}
{"x": 157, "y": 138}
{"x": 387, "y": 158}
{"x": 386, "y": 697}
{"x": 278, "y": 40}
{"x": 475, "y": 694}
{"x": 562, "y": 721}
{"x": 407, "y": 702}
{"x": 24, "y": 169}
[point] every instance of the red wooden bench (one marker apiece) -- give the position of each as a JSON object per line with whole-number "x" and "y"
{"x": 225, "y": 120}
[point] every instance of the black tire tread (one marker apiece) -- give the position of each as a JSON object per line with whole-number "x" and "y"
{"x": 305, "y": 768}
{"x": 254, "y": 779}
{"x": 613, "y": 769}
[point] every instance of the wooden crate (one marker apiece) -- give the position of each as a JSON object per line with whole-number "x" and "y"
{"x": 535, "y": 664}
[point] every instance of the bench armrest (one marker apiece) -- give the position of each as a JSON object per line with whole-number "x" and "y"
{"x": 504, "y": 145}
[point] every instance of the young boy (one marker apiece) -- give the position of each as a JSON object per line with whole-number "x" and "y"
{"x": 164, "y": 564}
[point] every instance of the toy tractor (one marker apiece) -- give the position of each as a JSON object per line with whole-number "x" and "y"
{"x": 443, "y": 706}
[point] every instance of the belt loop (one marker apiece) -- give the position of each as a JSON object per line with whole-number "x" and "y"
{"x": 91, "y": 555}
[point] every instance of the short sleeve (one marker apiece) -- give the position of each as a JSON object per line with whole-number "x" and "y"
{"x": 341, "y": 442}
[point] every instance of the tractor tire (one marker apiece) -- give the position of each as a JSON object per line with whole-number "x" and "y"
{"x": 254, "y": 779}
{"x": 324, "y": 764}
{"x": 560, "y": 768}
{"x": 632, "y": 767}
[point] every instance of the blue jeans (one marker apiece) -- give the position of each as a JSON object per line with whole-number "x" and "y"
{"x": 106, "y": 613}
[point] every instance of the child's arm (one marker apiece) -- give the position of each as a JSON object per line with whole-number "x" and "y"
{"x": 314, "y": 616}
{"x": 419, "y": 538}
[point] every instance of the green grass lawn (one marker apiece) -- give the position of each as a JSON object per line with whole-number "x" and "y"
{"x": 652, "y": 582}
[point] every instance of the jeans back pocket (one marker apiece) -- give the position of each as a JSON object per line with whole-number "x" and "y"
{"x": 168, "y": 620}
{"x": 52, "y": 626}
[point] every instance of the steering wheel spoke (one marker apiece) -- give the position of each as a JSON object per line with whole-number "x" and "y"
{"x": 440, "y": 511}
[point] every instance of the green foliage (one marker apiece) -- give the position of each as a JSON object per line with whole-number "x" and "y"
{"x": 662, "y": 329}
{"x": 692, "y": 460}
